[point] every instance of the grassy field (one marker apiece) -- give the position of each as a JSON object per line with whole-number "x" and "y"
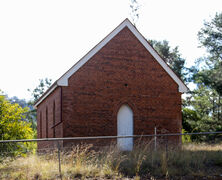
{"x": 192, "y": 161}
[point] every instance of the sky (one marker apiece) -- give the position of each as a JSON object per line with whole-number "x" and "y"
{"x": 44, "y": 38}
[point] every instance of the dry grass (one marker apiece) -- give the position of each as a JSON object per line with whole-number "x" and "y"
{"x": 190, "y": 161}
{"x": 202, "y": 147}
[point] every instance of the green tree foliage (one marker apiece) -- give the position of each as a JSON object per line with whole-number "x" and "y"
{"x": 36, "y": 93}
{"x": 171, "y": 56}
{"x": 186, "y": 138}
{"x": 30, "y": 115}
{"x": 210, "y": 37}
{"x": 205, "y": 113}
{"x": 210, "y": 76}
{"x": 203, "y": 110}
{"x": 190, "y": 118}
{"x": 13, "y": 125}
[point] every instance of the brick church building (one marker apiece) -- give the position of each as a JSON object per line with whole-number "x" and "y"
{"x": 120, "y": 87}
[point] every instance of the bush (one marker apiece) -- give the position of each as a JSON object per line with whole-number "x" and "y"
{"x": 14, "y": 126}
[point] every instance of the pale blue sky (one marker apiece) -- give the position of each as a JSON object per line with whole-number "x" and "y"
{"x": 45, "y": 38}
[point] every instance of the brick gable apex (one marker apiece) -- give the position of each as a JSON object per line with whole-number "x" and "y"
{"x": 63, "y": 80}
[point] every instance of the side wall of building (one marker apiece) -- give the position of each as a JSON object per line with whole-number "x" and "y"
{"x": 122, "y": 72}
{"x": 49, "y": 118}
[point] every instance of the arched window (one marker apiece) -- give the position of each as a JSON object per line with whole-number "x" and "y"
{"x": 46, "y": 112}
{"x": 53, "y": 119}
{"x": 40, "y": 125}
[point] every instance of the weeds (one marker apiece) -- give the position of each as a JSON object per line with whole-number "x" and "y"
{"x": 82, "y": 162}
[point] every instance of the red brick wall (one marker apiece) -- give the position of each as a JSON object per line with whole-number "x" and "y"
{"x": 98, "y": 89}
{"x": 53, "y": 101}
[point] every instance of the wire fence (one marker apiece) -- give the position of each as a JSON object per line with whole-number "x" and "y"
{"x": 59, "y": 149}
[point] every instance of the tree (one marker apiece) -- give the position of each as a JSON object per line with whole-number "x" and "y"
{"x": 211, "y": 77}
{"x": 30, "y": 115}
{"x": 205, "y": 101}
{"x": 22, "y": 102}
{"x": 171, "y": 56}
{"x": 208, "y": 74}
{"x": 44, "y": 84}
{"x": 13, "y": 125}
{"x": 210, "y": 37}
{"x": 202, "y": 112}
{"x": 189, "y": 120}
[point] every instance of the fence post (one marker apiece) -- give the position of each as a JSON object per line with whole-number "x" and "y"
{"x": 58, "y": 147}
{"x": 155, "y": 138}
{"x": 166, "y": 146}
